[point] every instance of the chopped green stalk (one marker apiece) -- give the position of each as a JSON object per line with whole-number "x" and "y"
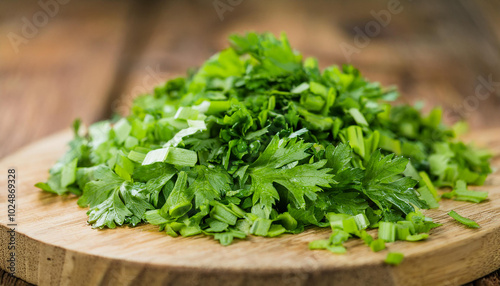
{"x": 261, "y": 227}
{"x": 420, "y": 222}
{"x": 218, "y": 107}
{"x": 216, "y": 226}
{"x": 350, "y": 225}
{"x": 337, "y": 124}
{"x": 237, "y": 211}
{"x": 426, "y": 182}
{"x": 358, "y": 116}
{"x": 402, "y": 231}
{"x": 170, "y": 231}
{"x": 131, "y": 142}
{"x": 176, "y": 226}
{"x": 361, "y": 221}
{"x": 300, "y": 88}
{"x": 394, "y": 146}
{"x": 136, "y": 156}
{"x": 186, "y": 113}
{"x": 124, "y": 167}
{"x": 427, "y": 196}
{"x": 177, "y": 203}
{"x": 158, "y": 155}
{"x": 190, "y": 230}
{"x": 179, "y": 209}
{"x": 408, "y": 224}
{"x": 222, "y": 213}
{"x": 319, "y": 244}
{"x": 338, "y": 237}
{"x": 377, "y": 245}
{"x": 336, "y": 220}
{"x": 387, "y": 231}
{"x": 460, "y": 193}
{"x": 355, "y": 138}
{"x": 154, "y": 217}
{"x": 318, "y": 88}
{"x": 287, "y": 221}
{"x": 122, "y": 129}
{"x": 224, "y": 238}
{"x": 394, "y": 258}
{"x": 463, "y": 220}
{"x": 276, "y": 230}
{"x": 417, "y": 237}
{"x": 171, "y": 155}
{"x": 312, "y": 102}
{"x": 338, "y": 249}
{"x": 330, "y": 100}
{"x": 474, "y": 197}
{"x": 181, "y": 157}
{"x": 366, "y": 237}
{"x": 372, "y": 142}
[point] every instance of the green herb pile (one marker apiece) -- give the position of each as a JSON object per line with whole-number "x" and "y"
{"x": 258, "y": 141}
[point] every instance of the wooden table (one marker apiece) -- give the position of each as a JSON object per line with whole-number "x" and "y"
{"x": 89, "y": 59}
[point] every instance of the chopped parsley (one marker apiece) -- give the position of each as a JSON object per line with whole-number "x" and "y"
{"x": 259, "y": 141}
{"x": 394, "y": 258}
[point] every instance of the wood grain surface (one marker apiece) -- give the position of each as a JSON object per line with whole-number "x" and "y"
{"x": 92, "y": 57}
{"x": 55, "y": 245}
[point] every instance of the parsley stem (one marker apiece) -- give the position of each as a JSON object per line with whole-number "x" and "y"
{"x": 463, "y": 220}
{"x": 387, "y": 231}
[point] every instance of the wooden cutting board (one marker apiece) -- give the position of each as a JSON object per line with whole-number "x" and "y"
{"x": 55, "y": 246}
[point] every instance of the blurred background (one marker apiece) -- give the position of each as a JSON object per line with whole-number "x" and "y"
{"x": 63, "y": 59}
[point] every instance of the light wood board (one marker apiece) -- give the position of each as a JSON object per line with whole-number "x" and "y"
{"x": 55, "y": 245}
